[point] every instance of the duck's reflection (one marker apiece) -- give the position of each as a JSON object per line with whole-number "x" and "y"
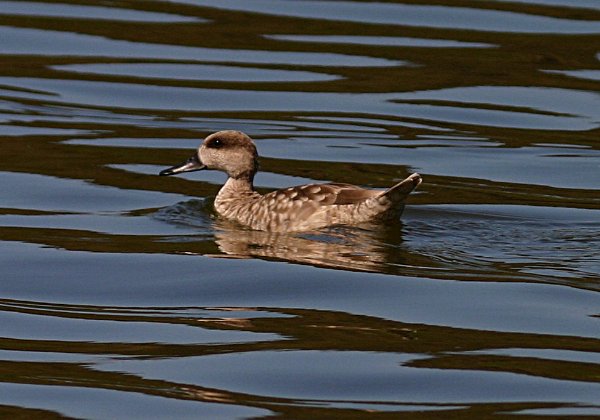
{"x": 371, "y": 247}
{"x": 359, "y": 248}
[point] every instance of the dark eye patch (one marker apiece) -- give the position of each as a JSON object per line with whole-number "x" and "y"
{"x": 216, "y": 143}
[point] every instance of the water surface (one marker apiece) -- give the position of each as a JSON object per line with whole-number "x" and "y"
{"x": 125, "y": 296}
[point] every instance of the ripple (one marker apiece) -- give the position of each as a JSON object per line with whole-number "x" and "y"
{"x": 574, "y": 4}
{"x": 32, "y": 191}
{"x": 591, "y": 411}
{"x": 123, "y": 293}
{"x": 517, "y": 239}
{"x": 515, "y": 107}
{"x": 196, "y": 72}
{"x": 547, "y": 354}
{"x": 579, "y": 74}
{"x": 541, "y": 99}
{"x": 20, "y": 41}
{"x": 409, "y": 15}
{"x": 51, "y": 325}
{"x": 17, "y": 130}
{"x": 111, "y": 224}
{"x": 334, "y": 376}
{"x": 69, "y": 11}
{"x": 132, "y": 403}
{"x": 387, "y": 41}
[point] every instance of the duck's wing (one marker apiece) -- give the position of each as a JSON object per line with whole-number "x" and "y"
{"x": 303, "y": 201}
{"x": 311, "y": 201}
{"x": 316, "y": 195}
{"x": 347, "y": 193}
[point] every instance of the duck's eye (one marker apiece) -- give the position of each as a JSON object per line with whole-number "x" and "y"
{"x": 216, "y": 143}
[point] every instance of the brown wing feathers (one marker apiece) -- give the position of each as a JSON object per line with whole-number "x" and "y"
{"x": 324, "y": 194}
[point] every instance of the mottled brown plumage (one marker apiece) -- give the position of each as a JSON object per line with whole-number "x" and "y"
{"x": 304, "y": 207}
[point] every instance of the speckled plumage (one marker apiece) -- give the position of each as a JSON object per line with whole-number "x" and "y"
{"x": 299, "y": 208}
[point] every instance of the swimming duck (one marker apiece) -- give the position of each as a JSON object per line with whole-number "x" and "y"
{"x": 300, "y": 208}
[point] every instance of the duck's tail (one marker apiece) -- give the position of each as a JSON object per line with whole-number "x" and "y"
{"x": 401, "y": 190}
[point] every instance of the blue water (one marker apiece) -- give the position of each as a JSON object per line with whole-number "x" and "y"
{"x": 124, "y": 295}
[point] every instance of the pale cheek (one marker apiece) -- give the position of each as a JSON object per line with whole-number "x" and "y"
{"x": 207, "y": 158}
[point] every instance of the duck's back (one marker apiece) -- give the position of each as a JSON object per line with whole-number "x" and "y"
{"x": 313, "y": 206}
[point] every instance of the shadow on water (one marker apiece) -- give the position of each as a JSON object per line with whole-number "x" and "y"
{"x": 123, "y": 290}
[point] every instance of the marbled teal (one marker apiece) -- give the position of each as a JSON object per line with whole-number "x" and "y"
{"x": 300, "y": 208}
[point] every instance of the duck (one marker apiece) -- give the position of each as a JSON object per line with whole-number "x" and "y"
{"x": 294, "y": 209}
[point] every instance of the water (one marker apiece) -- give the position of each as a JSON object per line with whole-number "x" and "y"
{"x": 123, "y": 295}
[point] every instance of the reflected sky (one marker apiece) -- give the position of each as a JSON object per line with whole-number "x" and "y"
{"x": 21, "y": 41}
{"x": 81, "y": 402}
{"x": 580, "y": 74}
{"x": 336, "y": 375}
{"x": 66, "y": 11}
{"x": 576, "y": 4}
{"x": 388, "y": 41}
{"x": 550, "y": 109}
{"x": 127, "y": 294}
{"x": 409, "y": 15}
{"x": 197, "y": 72}
{"x": 43, "y": 327}
{"x": 33, "y": 191}
{"x": 175, "y": 280}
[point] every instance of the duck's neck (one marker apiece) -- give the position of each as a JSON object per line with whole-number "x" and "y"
{"x": 237, "y": 187}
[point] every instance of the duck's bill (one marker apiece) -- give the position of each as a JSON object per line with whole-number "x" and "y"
{"x": 190, "y": 165}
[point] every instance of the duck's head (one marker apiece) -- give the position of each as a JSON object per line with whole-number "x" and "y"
{"x": 229, "y": 151}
